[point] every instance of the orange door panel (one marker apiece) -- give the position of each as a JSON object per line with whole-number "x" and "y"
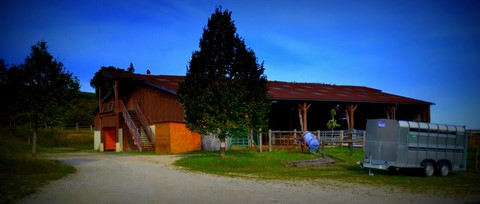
{"x": 110, "y": 139}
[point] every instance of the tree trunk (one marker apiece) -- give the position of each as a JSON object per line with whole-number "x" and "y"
{"x": 477, "y": 154}
{"x": 222, "y": 147}
{"x": 34, "y": 142}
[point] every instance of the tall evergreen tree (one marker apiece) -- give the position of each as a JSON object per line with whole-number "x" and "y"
{"x": 130, "y": 68}
{"x": 225, "y": 89}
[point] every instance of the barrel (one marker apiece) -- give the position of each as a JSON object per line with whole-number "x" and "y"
{"x": 311, "y": 141}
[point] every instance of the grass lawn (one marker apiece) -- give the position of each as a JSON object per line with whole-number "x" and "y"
{"x": 20, "y": 173}
{"x": 272, "y": 165}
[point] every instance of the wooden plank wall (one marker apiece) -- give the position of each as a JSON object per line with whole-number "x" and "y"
{"x": 157, "y": 105}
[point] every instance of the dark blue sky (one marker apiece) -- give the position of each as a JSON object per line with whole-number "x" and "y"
{"x": 428, "y": 50}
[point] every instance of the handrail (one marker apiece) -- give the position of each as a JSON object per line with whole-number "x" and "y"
{"x": 131, "y": 126}
{"x": 145, "y": 124}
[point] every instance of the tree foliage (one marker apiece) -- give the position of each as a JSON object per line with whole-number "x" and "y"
{"x": 47, "y": 86}
{"x": 225, "y": 89}
{"x": 100, "y": 82}
{"x": 41, "y": 88}
{"x": 332, "y": 123}
{"x": 81, "y": 108}
{"x": 43, "y": 74}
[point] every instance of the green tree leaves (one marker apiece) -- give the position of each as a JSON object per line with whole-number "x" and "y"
{"x": 42, "y": 89}
{"x": 225, "y": 89}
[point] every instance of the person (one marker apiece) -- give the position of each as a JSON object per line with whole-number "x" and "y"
{"x": 310, "y": 140}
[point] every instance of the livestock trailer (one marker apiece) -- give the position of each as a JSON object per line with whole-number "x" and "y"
{"x": 394, "y": 144}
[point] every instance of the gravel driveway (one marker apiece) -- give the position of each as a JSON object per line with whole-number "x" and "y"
{"x": 121, "y": 178}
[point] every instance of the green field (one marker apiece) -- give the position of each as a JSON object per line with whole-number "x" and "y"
{"x": 272, "y": 166}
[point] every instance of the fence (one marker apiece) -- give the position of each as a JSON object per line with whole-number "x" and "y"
{"x": 76, "y": 127}
{"x": 287, "y": 139}
{"x": 275, "y": 139}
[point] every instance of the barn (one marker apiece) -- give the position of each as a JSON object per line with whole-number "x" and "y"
{"x": 293, "y": 103}
{"x": 141, "y": 111}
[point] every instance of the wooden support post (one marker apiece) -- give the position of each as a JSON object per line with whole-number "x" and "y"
{"x": 426, "y": 114}
{"x": 391, "y": 112}
{"x": 349, "y": 111}
{"x": 300, "y": 117}
{"x": 302, "y": 114}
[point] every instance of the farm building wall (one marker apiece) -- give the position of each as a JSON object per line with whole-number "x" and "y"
{"x": 157, "y": 105}
{"x": 174, "y": 137}
{"x": 96, "y": 140}
{"x": 107, "y": 117}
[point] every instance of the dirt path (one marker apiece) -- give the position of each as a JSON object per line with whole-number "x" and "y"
{"x": 120, "y": 178}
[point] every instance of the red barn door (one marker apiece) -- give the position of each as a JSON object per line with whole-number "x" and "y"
{"x": 110, "y": 139}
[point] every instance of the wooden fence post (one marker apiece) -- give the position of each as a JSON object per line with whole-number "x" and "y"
{"x": 341, "y": 138}
{"x": 318, "y": 136}
{"x": 364, "y": 139}
{"x": 295, "y": 135}
{"x": 350, "y": 146}
{"x": 260, "y": 140}
{"x": 269, "y": 140}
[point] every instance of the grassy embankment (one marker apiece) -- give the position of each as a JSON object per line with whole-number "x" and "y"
{"x": 271, "y": 166}
{"x": 20, "y": 173}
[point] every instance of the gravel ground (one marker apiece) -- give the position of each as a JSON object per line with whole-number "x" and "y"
{"x": 121, "y": 178}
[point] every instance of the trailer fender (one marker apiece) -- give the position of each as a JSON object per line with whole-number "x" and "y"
{"x": 424, "y": 162}
{"x": 444, "y": 161}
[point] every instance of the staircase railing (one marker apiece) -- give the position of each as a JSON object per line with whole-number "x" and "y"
{"x": 131, "y": 126}
{"x": 145, "y": 124}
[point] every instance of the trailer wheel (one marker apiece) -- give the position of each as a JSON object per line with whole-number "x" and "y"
{"x": 443, "y": 169}
{"x": 428, "y": 169}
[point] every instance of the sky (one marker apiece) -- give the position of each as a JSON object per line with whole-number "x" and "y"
{"x": 423, "y": 49}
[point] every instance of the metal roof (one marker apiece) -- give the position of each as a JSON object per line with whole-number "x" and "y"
{"x": 341, "y": 93}
{"x": 293, "y": 91}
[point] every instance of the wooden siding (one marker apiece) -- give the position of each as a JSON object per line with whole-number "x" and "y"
{"x": 107, "y": 121}
{"x": 157, "y": 105}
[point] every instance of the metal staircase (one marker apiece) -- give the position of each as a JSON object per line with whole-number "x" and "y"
{"x": 146, "y": 144}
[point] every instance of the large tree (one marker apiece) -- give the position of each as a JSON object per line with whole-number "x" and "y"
{"x": 99, "y": 82}
{"x": 45, "y": 88}
{"x": 225, "y": 89}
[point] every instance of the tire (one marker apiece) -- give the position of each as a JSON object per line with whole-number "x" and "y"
{"x": 428, "y": 169}
{"x": 443, "y": 169}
